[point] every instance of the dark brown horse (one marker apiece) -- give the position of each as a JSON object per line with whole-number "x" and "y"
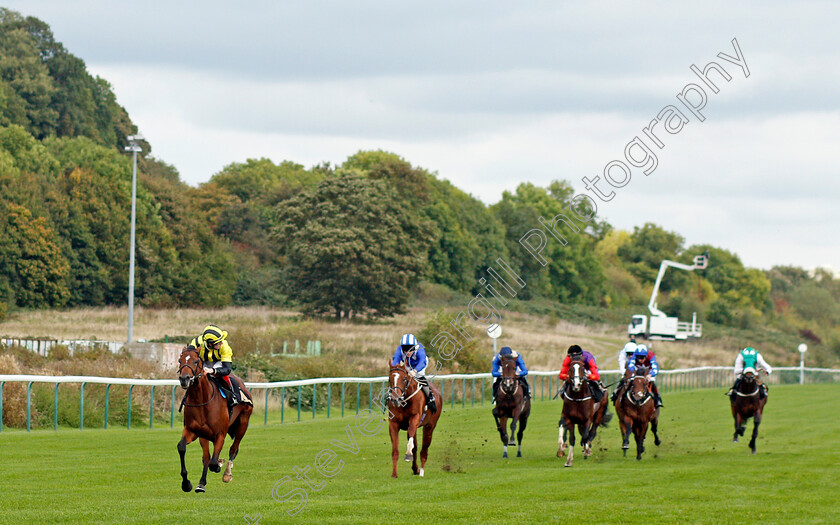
{"x": 747, "y": 403}
{"x": 206, "y": 417}
{"x": 407, "y": 411}
{"x": 580, "y": 408}
{"x": 511, "y": 403}
{"x": 636, "y": 410}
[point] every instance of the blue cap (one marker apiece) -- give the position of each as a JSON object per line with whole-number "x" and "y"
{"x": 506, "y": 350}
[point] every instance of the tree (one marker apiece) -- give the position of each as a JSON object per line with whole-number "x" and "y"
{"x": 573, "y": 273}
{"x": 30, "y": 260}
{"x": 647, "y": 248}
{"x": 350, "y": 247}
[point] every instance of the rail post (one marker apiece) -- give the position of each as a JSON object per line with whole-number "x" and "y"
{"x": 82, "y": 407}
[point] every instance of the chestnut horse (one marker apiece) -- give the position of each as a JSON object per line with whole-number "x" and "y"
{"x": 407, "y": 411}
{"x": 747, "y": 403}
{"x": 511, "y": 403}
{"x": 636, "y": 410}
{"x": 206, "y": 417}
{"x": 579, "y": 408}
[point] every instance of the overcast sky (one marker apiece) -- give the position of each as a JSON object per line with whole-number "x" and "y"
{"x": 492, "y": 94}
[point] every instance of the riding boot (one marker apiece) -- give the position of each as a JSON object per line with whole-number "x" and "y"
{"x": 430, "y": 396}
{"x": 495, "y": 389}
{"x": 762, "y": 391}
{"x": 236, "y": 398}
{"x": 430, "y": 399}
{"x": 657, "y": 400}
{"x": 597, "y": 393}
{"x": 525, "y": 387}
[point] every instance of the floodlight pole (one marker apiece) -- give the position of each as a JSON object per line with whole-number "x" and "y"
{"x": 133, "y": 148}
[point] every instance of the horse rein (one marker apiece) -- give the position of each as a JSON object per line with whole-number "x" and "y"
{"x": 402, "y": 390}
{"x": 648, "y": 395}
{"x": 193, "y": 381}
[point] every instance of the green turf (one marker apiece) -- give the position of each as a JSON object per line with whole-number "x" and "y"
{"x": 697, "y": 476}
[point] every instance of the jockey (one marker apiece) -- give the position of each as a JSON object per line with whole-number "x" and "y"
{"x": 214, "y": 350}
{"x": 521, "y": 371}
{"x": 624, "y": 355}
{"x": 591, "y": 367}
{"x": 746, "y": 361}
{"x": 644, "y": 357}
{"x": 413, "y": 354}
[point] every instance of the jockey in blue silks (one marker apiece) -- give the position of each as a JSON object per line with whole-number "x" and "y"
{"x": 521, "y": 371}
{"x": 413, "y": 354}
{"x": 645, "y": 357}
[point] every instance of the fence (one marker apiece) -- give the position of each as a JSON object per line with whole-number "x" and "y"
{"x": 43, "y": 346}
{"x": 305, "y": 394}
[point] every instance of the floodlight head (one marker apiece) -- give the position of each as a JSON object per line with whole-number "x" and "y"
{"x": 134, "y": 138}
{"x": 701, "y": 261}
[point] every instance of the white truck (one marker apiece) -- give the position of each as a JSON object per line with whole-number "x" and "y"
{"x": 658, "y": 325}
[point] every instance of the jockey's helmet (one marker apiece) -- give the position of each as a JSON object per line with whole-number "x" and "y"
{"x": 213, "y": 334}
{"x": 641, "y": 352}
{"x": 749, "y": 370}
{"x": 506, "y": 350}
{"x": 408, "y": 343}
{"x": 575, "y": 350}
{"x": 629, "y": 348}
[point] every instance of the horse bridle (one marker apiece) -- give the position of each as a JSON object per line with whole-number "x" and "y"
{"x": 508, "y": 380}
{"x": 629, "y": 395}
{"x": 197, "y": 372}
{"x": 749, "y": 379}
{"x": 401, "y": 401}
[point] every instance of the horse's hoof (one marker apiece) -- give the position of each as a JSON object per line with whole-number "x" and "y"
{"x": 504, "y": 454}
{"x": 200, "y": 488}
{"x": 560, "y": 454}
{"x": 625, "y": 452}
{"x": 409, "y": 457}
{"x": 753, "y": 451}
{"x": 214, "y": 467}
{"x": 227, "y": 477}
{"x": 512, "y": 443}
{"x": 186, "y": 486}
{"x": 638, "y": 458}
{"x": 657, "y": 442}
{"x": 519, "y": 454}
{"x": 422, "y": 473}
{"x": 394, "y": 475}
{"x": 735, "y": 439}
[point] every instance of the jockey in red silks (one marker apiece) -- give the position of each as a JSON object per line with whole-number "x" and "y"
{"x": 591, "y": 367}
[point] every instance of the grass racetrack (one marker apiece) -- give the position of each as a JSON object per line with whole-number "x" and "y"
{"x": 698, "y": 475}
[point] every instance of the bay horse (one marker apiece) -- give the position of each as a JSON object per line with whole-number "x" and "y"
{"x": 747, "y": 403}
{"x": 206, "y": 417}
{"x": 636, "y": 410}
{"x": 511, "y": 403}
{"x": 580, "y": 408}
{"x": 407, "y": 411}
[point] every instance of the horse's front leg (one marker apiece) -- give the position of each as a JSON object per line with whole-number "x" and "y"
{"x": 561, "y": 438}
{"x": 503, "y": 434}
{"x": 738, "y": 423}
{"x": 756, "y": 422}
{"x": 205, "y": 446}
{"x": 513, "y": 419}
{"x": 187, "y": 437}
{"x": 394, "y": 430}
{"x": 626, "y": 429}
{"x": 640, "y": 430}
{"x": 411, "y": 446}
{"x": 218, "y": 444}
{"x": 571, "y": 427}
{"x": 587, "y": 433}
